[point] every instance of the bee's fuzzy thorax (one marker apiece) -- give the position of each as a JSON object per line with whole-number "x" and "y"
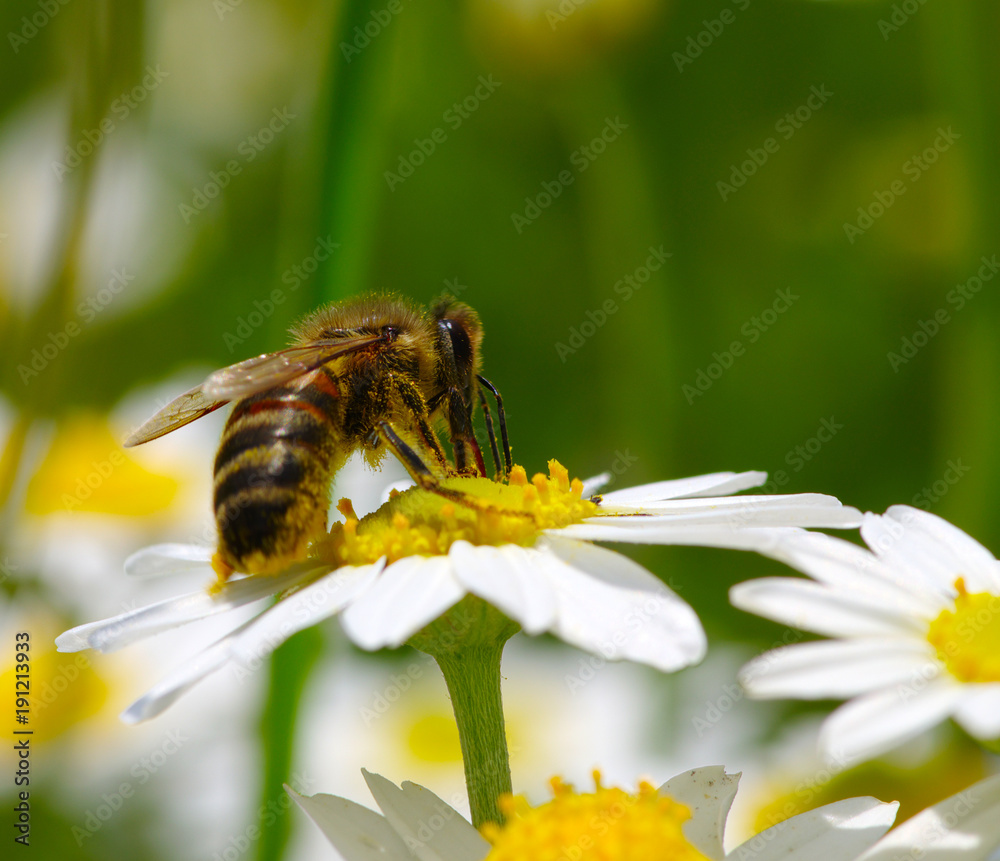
{"x": 359, "y": 315}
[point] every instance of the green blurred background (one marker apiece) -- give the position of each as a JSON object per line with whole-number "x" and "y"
{"x": 187, "y": 214}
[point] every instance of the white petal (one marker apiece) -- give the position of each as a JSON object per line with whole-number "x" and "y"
{"x": 356, "y": 833}
{"x": 872, "y": 724}
{"x": 926, "y": 557}
{"x": 639, "y": 530}
{"x": 592, "y": 485}
{"x": 255, "y": 638}
{"x": 163, "y": 559}
{"x": 185, "y": 677}
{"x": 432, "y": 830}
{"x": 613, "y": 607}
{"x": 964, "y": 827}
{"x": 979, "y": 711}
{"x": 817, "y": 608}
{"x": 714, "y": 484}
{"x": 802, "y": 509}
{"x": 409, "y": 594}
{"x": 959, "y": 551}
{"x": 308, "y": 606}
{"x": 851, "y": 568}
{"x": 507, "y": 577}
{"x": 126, "y": 628}
{"x": 709, "y": 793}
{"x": 834, "y": 832}
{"x": 836, "y": 668}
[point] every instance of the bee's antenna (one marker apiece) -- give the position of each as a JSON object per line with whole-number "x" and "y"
{"x": 490, "y": 432}
{"x": 502, "y": 418}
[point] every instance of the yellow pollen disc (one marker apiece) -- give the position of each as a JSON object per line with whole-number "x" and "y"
{"x": 423, "y": 523}
{"x": 967, "y": 639}
{"x": 604, "y": 825}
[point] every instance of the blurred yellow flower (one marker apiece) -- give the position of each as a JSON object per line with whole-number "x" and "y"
{"x": 87, "y": 470}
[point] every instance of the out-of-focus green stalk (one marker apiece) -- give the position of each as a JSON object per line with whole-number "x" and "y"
{"x": 355, "y": 104}
{"x": 963, "y": 72}
{"x": 289, "y": 669}
{"x": 618, "y": 213}
{"x": 357, "y": 101}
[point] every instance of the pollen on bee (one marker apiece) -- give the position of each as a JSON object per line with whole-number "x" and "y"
{"x": 222, "y": 568}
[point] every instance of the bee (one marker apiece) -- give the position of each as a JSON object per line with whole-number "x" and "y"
{"x": 373, "y": 373}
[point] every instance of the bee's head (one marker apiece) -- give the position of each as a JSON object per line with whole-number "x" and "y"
{"x": 459, "y": 335}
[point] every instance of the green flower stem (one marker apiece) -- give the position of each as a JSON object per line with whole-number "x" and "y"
{"x": 467, "y": 643}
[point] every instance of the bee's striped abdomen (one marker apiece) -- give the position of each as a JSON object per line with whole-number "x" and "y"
{"x": 272, "y": 475}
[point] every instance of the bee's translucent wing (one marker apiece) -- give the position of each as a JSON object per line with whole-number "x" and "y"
{"x": 243, "y": 379}
{"x": 274, "y": 369}
{"x": 193, "y": 404}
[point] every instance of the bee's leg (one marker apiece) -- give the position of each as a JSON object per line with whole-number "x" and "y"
{"x": 415, "y": 403}
{"x": 461, "y": 432}
{"x": 419, "y": 471}
{"x": 488, "y": 416}
{"x": 422, "y": 475}
{"x": 502, "y": 418}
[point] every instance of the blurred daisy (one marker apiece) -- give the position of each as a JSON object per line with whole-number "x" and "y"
{"x": 917, "y": 627}
{"x": 684, "y": 820}
{"x": 523, "y": 547}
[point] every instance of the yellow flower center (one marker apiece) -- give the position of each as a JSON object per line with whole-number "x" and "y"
{"x": 967, "y": 639}
{"x": 423, "y": 523}
{"x": 604, "y": 825}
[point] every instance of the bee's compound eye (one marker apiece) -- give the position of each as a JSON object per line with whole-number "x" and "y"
{"x": 461, "y": 347}
{"x": 390, "y": 333}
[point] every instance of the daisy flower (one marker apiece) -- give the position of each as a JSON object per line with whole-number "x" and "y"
{"x": 684, "y": 820}
{"x": 916, "y": 624}
{"x": 523, "y": 547}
